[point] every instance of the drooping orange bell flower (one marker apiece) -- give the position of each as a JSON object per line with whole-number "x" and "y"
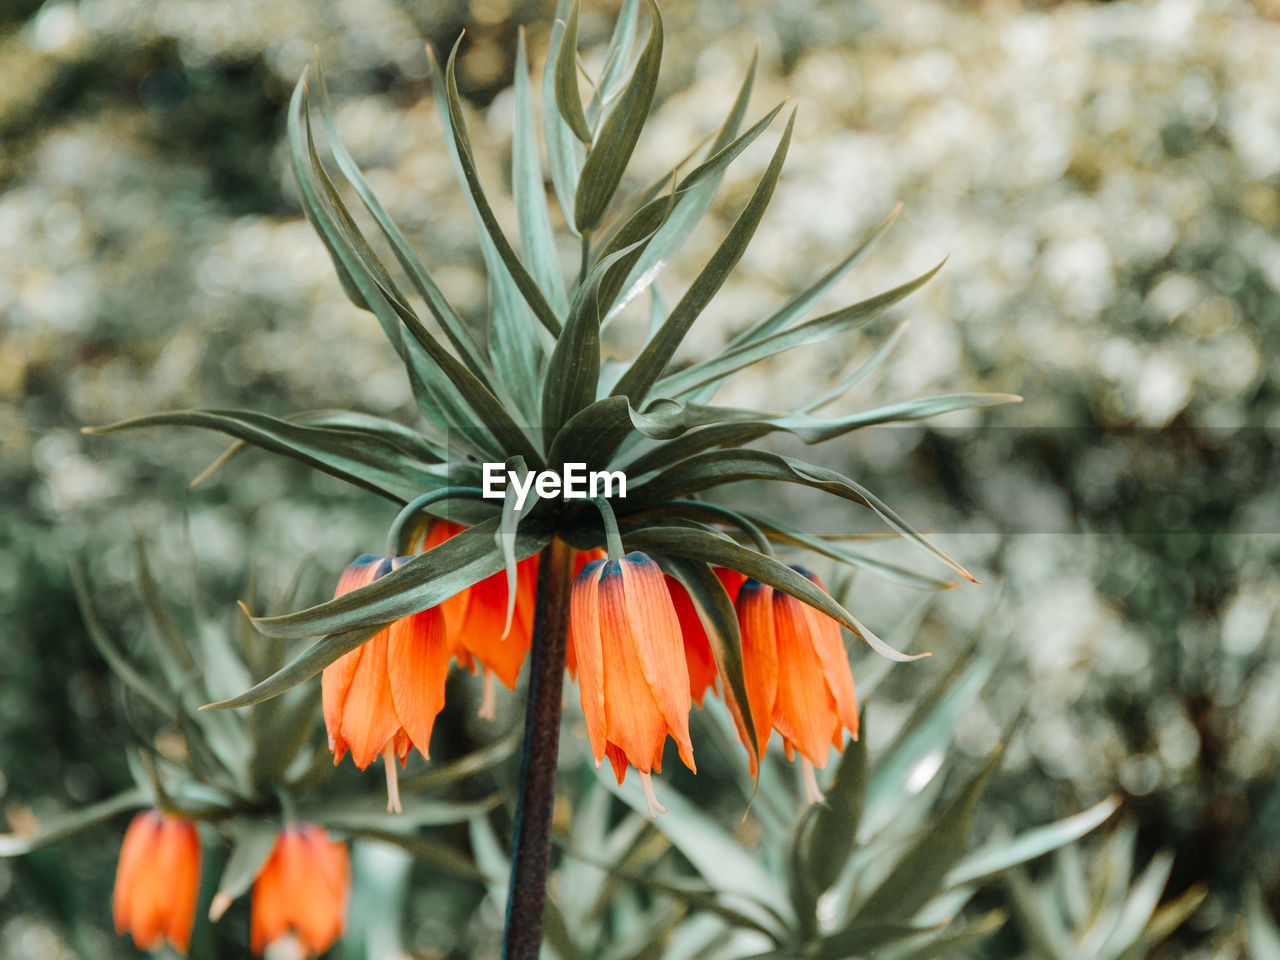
{"x": 301, "y": 891}
{"x": 383, "y": 697}
{"x": 797, "y": 675}
{"x": 476, "y": 620}
{"x": 632, "y": 674}
{"x": 157, "y": 881}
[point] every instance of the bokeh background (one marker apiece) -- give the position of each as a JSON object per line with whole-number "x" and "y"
{"x": 1105, "y": 178}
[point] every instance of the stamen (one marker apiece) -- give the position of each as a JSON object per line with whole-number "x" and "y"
{"x": 218, "y": 906}
{"x": 811, "y": 792}
{"x": 393, "y": 779}
{"x": 488, "y": 699}
{"x": 650, "y": 797}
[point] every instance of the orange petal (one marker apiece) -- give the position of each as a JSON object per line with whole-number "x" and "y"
{"x": 584, "y": 634}
{"x": 759, "y": 657}
{"x": 619, "y": 761}
{"x": 731, "y": 580}
{"x": 481, "y": 633}
{"x": 268, "y": 917}
{"x": 805, "y": 709}
{"x": 417, "y": 665}
{"x": 455, "y": 608}
{"x": 335, "y": 684}
{"x": 184, "y": 883}
{"x": 311, "y": 904}
{"x": 697, "y": 647}
{"x": 136, "y": 852}
{"x": 369, "y": 716}
{"x": 655, "y": 631}
{"x": 828, "y": 643}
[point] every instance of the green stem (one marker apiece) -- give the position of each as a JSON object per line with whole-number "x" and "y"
{"x": 612, "y": 538}
{"x": 584, "y": 264}
{"x": 531, "y": 849}
{"x": 396, "y": 545}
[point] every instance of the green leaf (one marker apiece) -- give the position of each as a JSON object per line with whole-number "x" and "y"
{"x": 568, "y": 99}
{"x": 592, "y": 434}
{"x": 365, "y": 460}
{"x": 440, "y": 775}
{"x": 419, "y": 276}
{"x": 827, "y": 833}
{"x": 252, "y": 840}
{"x": 459, "y": 392}
{"x": 827, "y": 548}
{"x": 422, "y": 582}
{"x": 657, "y": 353}
{"x": 537, "y": 242}
{"x": 451, "y": 105}
{"x": 918, "y": 874}
{"x": 697, "y": 190}
{"x": 616, "y": 58}
{"x": 61, "y": 827}
{"x": 1138, "y": 907}
{"x": 356, "y": 817}
{"x": 860, "y": 373}
{"x": 301, "y": 668}
{"x": 829, "y": 325}
{"x": 434, "y": 854}
{"x": 999, "y": 857}
{"x": 717, "y": 467}
{"x": 1264, "y": 935}
{"x": 720, "y": 859}
{"x": 800, "y": 303}
{"x": 716, "y": 611}
{"x": 160, "y": 700}
{"x": 955, "y": 944}
{"x": 698, "y": 544}
{"x": 618, "y": 134}
{"x": 565, "y": 153}
{"x": 1171, "y": 916}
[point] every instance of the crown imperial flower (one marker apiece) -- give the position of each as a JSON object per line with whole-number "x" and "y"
{"x": 383, "y": 697}
{"x": 797, "y": 674}
{"x": 632, "y": 673}
{"x": 301, "y": 891}
{"x": 157, "y": 881}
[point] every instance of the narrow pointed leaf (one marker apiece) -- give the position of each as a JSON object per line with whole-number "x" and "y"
{"x": 422, "y": 582}
{"x": 698, "y": 544}
{"x": 451, "y": 105}
{"x": 718, "y": 467}
{"x": 568, "y": 99}
{"x": 419, "y": 276}
{"x": 61, "y": 827}
{"x": 618, "y": 134}
{"x": 998, "y": 857}
{"x": 252, "y": 842}
{"x": 565, "y": 152}
{"x": 657, "y": 353}
{"x": 367, "y": 461}
{"x": 537, "y": 242}
{"x": 715, "y": 608}
{"x": 820, "y": 329}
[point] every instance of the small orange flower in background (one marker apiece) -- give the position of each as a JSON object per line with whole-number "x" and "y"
{"x": 157, "y": 881}
{"x": 383, "y": 697}
{"x": 632, "y": 674}
{"x": 301, "y": 891}
{"x": 797, "y": 675}
{"x": 476, "y": 620}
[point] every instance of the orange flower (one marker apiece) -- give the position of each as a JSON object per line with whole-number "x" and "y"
{"x": 580, "y": 559}
{"x": 632, "y": 674}
{"x": 157, "y": 881}
{"x": 476, "y": 620}
{"x": 301, "y": 890}
{"x": 383, "y": 696}
{"x": 797, "y": 675}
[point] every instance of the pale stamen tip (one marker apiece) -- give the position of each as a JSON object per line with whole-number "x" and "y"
{"x": 219, "y": 905}
{"x": 488, "y": 699}
{"x": 651, "y": 798}
{"x": 393, "y": 779}
{"x": 812, "y": 794}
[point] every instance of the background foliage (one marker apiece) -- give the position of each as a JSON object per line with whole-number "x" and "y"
{"x": 1106, "y": 179}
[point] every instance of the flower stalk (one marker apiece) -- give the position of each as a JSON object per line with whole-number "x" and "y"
{"x": 532, "y": 846}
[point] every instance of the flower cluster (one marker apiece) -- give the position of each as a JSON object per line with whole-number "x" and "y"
{"x": 300, "y": 891}
{"x": 638, "y": 647}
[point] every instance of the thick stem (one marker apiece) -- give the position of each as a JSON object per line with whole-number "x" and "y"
{"x": 532, "y": 846}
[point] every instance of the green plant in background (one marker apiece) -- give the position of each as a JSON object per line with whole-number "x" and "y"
{"x": 539, "y": 395}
